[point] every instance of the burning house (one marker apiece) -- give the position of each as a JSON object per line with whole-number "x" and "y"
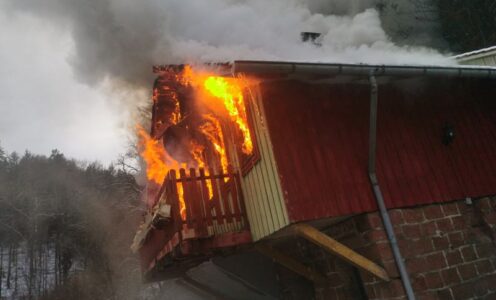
{"x": 367, "y": 181}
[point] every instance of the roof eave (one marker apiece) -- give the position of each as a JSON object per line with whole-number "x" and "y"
{"x": 251, "y": 67}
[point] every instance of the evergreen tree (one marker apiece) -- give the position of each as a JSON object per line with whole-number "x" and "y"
{"x": 468, "y": 25}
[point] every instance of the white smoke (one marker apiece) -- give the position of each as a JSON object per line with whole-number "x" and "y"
{"x": 222, "y": 30}
{"x": 121, "y": 39}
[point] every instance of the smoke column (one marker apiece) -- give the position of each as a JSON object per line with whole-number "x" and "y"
{"x": 119, "y": 40}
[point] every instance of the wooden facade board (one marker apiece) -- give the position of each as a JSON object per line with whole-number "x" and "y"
{"x": 480, "y": 60}
{"x": 255, "y": 220}
{"x": 270, "y": 166}
{"x": 319, "y": 135}
{"x": 259, "y": 211}
{"x": 265, "y": 197}
{"x": 261, "y": 186}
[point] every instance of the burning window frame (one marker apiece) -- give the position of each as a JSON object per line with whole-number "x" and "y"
{"x": 248, "y": 161}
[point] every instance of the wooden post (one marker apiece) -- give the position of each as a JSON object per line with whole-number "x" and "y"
{"x": 235, "y": 194}
{"x": 331, "y": 245}
{"x": 196, "y": 202}
{"x": 186, "y": 196}
{"x": 175, "y": 207}
{"x": 216, "y": 198}
{"x": 206, "y": 202}
{"x": 225, "y": 202}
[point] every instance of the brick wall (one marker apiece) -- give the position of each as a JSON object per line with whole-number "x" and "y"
{"x": 449, "y": 251}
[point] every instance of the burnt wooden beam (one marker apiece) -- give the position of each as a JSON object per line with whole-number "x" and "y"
{"x": 291, "y": 263}
{"x": 342, "y": 251}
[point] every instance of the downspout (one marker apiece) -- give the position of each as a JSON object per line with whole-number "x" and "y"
{"x": 405, "y": 279}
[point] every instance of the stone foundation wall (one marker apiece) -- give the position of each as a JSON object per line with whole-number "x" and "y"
{"x": 449, "y": 251}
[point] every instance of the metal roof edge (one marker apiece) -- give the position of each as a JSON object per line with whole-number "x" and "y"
{"x": 475, "y": 54}
{"x": 287, "y": 68}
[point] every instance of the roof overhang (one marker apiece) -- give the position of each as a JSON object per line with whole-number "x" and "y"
{"x": 342, "y": 73}
{"x": 472, "y": 55}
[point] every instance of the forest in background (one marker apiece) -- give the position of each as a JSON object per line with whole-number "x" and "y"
{"x": 450, "y": 26}
{"x": 66, "y": 228}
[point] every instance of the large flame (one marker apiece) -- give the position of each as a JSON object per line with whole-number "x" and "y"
{"x": 158, "y": 163}
{"x": 176, "y": 114}
{"x": 213, "y": 131}
{"x": 222, "y": 96}
{"x": 230, "y": 92}
{"x": 197, "y": 154}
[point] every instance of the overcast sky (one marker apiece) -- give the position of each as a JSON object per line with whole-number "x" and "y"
{"x": 42, "y": 106}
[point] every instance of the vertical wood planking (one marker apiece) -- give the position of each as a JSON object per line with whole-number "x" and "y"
{"x": 225, "y": 202}
{"x": 265, "y": 208}
{"x": 250, "y": 207}
{"x": 241, "y": 198}
{"x": 234, "y": 193}
{"x": 270, "y": 165}
{"x": 206, "y": 202}
{"x": 257, "y": 214}
{"x": 196, "y": 202}
{"x": 186, "y": 196}
{"x": 174, "y": 200}
{"x": 215, "y": 196}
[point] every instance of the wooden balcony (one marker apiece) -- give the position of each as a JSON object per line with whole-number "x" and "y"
{"x": 213, "y": 217}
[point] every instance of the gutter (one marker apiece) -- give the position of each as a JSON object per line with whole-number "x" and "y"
{"x": 386, "y": 220}
{"x": 275, "y": 68}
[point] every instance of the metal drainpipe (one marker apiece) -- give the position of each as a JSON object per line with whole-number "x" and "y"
{"x": 378, "y": 194}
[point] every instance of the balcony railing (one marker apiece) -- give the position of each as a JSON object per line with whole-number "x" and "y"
{"x": 199, "y": 213}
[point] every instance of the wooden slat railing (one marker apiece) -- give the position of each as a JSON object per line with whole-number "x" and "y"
{"x": 208, "y": 212}
{"x": 214, "y": 202}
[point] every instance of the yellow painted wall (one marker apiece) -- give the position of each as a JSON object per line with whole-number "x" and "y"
{"x": 483, "y": 59}
{"x": 262, "y": 191}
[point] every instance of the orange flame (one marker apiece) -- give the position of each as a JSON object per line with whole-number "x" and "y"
{"x": 197, "y": 154}
{"x": 176, "y": 114}
{"x": 219, "y": 92}
{"x": 158, "y": 163}
{"x": 155, "y": 157}
{"x": 182, "y": 204}
{"x": 213, "y": 132}
{"x": 230, "y": 92}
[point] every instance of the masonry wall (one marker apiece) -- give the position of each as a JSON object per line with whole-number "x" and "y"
{"x": 449, "y": 251}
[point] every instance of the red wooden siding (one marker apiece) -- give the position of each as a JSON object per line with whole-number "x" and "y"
{"x": 320, "y": 141}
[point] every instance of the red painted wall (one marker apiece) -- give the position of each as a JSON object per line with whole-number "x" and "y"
{"x": 320, "y": 140}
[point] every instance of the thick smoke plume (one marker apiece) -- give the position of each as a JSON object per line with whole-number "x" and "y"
{"x": 119, "y": 40}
